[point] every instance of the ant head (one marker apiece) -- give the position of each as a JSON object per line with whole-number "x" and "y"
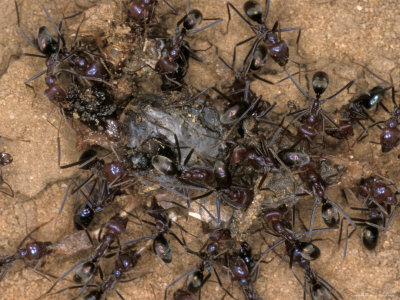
{"x": 320, "y": 82}
{"x": 253, "y": 10}
{"x": 370, "y": 237}
{"x": 192, "y": 19}
{"x": 46, "y": 44}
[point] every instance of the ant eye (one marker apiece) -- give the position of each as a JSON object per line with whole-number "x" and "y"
{"x": 253, "y": 10}
{"x": 320, "y": 82}
{"x": 193, "y": 19}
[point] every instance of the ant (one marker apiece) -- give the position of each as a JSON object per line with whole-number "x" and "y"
{"x": 300, "y": 253}
{"x": 87, "y": 268}
{"x": 314, "y": 114}
{"x": 197, "y": 176}
{"x": 163, "y": 224}
{"x": 275, "y": 219}
{"x": 55, "y": 53}
{"x": 5, "y": 159}
{"x": 212, "y": 249}
{"x": 370, "y": 233}
{"x": 142, "y": 11}
{"x": 390, "y": 134}
{"x": 125, "y": 263}
{"x": 240, "y": 265}
{"x": 33, "y": 251}
{"x": 375, "y": 191}
{"x": 357, "y": 111}
{"x": 275, "y": 47}
{"x": 173, "y": 65}
{"x": 319, "y": 288}
{"x": 311, "y": 175}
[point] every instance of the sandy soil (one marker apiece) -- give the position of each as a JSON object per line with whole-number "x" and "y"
{"x": 334, "y": 33}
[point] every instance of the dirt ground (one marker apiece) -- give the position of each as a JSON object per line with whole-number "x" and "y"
{"x": 335, "y": 34}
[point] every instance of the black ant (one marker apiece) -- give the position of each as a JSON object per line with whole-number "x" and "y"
{"x": 275, "y": 47}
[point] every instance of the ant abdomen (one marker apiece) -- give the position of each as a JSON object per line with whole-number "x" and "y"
{"x": 253, "y": 10}
{"x": 164, "y": 165}
{"x": 370, "y": 236}
{"x": 183, "y": 295}
{"x": 330, "y": 214}
{"x": 161, "y": 249}
{"x": 320, "y": 292}
{"x": 45, "y": 42}
{"x": 192, "y": 19}
{"x": 85, "y": 272}
{"x": 195, "y": 281}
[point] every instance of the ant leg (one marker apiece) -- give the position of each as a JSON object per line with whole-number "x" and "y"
{"x": 178, "y": 279}
{"x": 390, "y": 219}
{"x": 206, "y": 26}
{"x": 317, "y": 202}
{"x": 248, "y": 54}
{"x": 347, "y": 86}
{"x": 266, "y": 13}
{"x": 228, "y": 4}
{"x": 218, "y": 205}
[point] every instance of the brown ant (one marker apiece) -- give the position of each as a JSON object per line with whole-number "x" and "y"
{"x": 240, "y": 265}
{"x": 390, "y": 134}
{"x": 357, "y": 111}
{"x": 162, "y": 224}
{"x": 275, "y": 47}
{"x": 87, "y": 268}
{"x": 376, "y": 191}
{"x": 33, "y": 251}
{"x": 370, "y": 232}
{"x": 173, "y": 65}
{"x": 125, "y": 263}
{"x": 209, "y": 253}
{"x": 314, "y": 115}
{"x": 311, "y": 176}
{"x": 142, "y": 11}
{"x": 5, "y": 159}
